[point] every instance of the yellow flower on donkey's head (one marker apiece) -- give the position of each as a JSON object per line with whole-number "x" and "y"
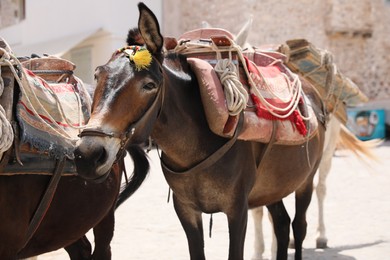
{"x": 140, "y": 56}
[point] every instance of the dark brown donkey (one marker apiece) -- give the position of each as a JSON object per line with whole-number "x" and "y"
{"x": 41, "y": 211}
{"x": 163, "y": 100}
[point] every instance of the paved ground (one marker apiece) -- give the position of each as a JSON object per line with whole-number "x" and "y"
{"x": 357, "y": 218}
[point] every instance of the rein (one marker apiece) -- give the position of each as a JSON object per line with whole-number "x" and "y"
{"x": 214, "y": 157}
{"x": 46, "y": 200}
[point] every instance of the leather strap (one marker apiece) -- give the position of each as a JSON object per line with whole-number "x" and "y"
{"x": 45, "y": 202}
{"x": 213, "y": 158}
{"x": 269, "y": 145}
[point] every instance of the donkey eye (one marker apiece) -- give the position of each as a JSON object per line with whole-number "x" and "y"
{"x": 149, "y": 86}
{"x": 96, "y": 74}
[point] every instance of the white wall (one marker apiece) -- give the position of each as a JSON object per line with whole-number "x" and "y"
{"x": 57, "y": 26}
{"x": 51, "y": 19}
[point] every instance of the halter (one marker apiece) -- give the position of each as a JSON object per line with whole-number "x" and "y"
{"x": 126, "y": 136}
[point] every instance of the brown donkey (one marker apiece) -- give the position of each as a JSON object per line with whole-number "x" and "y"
{"x": 206, "y": 172}
{"x": 44, "y": 206}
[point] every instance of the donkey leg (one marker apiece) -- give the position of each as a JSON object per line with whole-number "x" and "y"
{"x": 80, "y": 250}
{"x": 103, "y": 233}
{"x": 302, "y": 201}
{"x": 191, "y": 221}
{"x": 257, "y": 214}
{"x": 237, "y": 221}
{"x": 281, "y": 223}
{"x": 322, "y": 240}
{"x": 331, "y": 137}
{"x": 274, "y": 246}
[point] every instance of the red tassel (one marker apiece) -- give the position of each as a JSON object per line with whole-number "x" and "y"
{"x": 295, "y": 117}
{"x": 300, "y": 125}
{"x": 257, "y": 102}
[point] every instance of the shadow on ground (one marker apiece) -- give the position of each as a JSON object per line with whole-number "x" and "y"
{"x": 334, "y": 252}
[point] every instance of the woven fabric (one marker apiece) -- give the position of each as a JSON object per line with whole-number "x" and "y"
{"x": 275, "y": 84}
{"x": 46, "y": 128}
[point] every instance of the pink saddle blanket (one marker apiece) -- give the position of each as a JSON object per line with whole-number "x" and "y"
{"x": 258, "y": 121}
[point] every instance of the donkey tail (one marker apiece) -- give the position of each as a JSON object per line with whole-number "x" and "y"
{"x": 361, "y": 149}
{"x": 141, "y": 170}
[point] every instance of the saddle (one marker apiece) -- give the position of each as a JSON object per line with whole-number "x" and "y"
{"x": 53, "y": 103}
{"x": 316, "y": 65}
{"x": 43, "y": 134}
{"x": 266, "y": 81}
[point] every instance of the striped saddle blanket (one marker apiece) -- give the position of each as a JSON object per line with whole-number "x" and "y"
{"x": 52, "y": 106}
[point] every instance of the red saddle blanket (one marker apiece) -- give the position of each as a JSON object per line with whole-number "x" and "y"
{"x": 274, "y": 92}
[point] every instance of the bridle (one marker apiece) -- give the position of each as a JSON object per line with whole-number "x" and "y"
{"x": 125, "y": 137}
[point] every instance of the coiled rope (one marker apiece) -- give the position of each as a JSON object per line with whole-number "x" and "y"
{"x": 6, "y": 131}
{"x": 235, "y": 93}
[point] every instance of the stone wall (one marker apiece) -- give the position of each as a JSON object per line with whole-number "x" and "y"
{"x": 355, "y": 31}
{"x": 8, "y": 13}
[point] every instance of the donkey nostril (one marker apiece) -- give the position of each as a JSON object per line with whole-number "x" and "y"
{"x": 102, "y": 156}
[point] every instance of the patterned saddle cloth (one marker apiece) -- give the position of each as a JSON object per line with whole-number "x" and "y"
{"x": 53, "y": 105}
{"x": 270, "y": 86}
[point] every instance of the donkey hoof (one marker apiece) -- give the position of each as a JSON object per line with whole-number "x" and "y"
{"x": 322, "y": 243}
{"x": 291, "y": 244}
{"x": 257, "y": 258}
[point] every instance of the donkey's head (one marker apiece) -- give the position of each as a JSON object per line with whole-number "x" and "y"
{"x": 127, "y": 99}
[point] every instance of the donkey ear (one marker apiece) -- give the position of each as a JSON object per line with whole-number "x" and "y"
{"x": 241, "y": 38}
{"x": 150, "y": 29}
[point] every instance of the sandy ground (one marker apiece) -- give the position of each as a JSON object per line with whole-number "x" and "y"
{"x": 357, "y": 218}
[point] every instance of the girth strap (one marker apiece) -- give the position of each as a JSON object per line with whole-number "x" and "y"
{"x": 268, "y": 147}
{"x": 45, "y": 202}
{"x": 213, "y": 158}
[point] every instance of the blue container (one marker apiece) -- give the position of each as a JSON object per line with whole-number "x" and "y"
{"x": 367, "y": 124}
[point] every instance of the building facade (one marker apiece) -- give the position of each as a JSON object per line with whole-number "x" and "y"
{"x": 11, "y": 12}
{"x": 357, "y": 32}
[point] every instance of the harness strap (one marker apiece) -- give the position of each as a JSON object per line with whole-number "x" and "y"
{"x": 268, "y": 147}
{"x": 45, "y": 202}
{"x": 97, "y": 132}
{"x": 17, "y": 142}
{"x": 213, "y": 158}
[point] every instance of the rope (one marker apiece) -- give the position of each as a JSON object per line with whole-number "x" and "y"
{"x": 295, "y": 88}
{"x": 79, "y": 106}
{"x": 235, "y": 93}
{"x": 1, "y": 83}
{"x": 6, "y": 131}
{"x": 69, "y": 72}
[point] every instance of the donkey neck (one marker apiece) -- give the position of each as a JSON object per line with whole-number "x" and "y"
{"x": 181, "y": 130}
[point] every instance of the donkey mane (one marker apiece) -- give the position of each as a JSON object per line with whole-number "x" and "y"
{"x": 134, "y": 37}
